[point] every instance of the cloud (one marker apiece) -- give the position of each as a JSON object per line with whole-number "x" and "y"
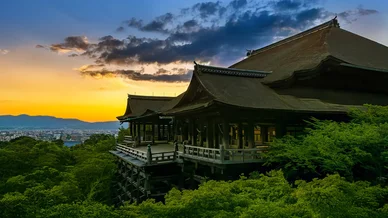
{"x": 139, "y": 75}
{"x": 40, "y": 46}
{"x": 4, "y": 51}
{"x": 212, "y": 32}
{"x": 352, "y": 15}
{"x": 158, "y": 24}
{"x": 120, "y": 29}
{"x": 72, "y": 43}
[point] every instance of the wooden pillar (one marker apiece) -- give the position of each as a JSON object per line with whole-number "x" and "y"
{"x": 144, "y": 131}
{"x": 193, "y": 132}
{"x": 159, "y": 131}
{"x": 215, "y": 135}
{"x": 225, "y": 130}
{"x": 240, "y": 137}
{"x": 202, "y": 134}
{"x": 153, "y": 133}
{"x": 131, "y": 129}
{"x": 138, "y": 133}
{"x": 168, "y": 132}
{"x": 209, "y": 133}
{"x": 264, "y": 134}
{"x": 251, "y": 134}
{"x": 175, "y": 127}
{"x": 280, "y": 129}
{"x": 163, "y": 131}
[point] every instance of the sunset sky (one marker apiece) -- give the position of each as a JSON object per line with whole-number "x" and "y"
{"x": 80, "y": 59}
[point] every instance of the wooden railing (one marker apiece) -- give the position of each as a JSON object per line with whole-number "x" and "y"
{"x": 141, "y": 155}
{"x": 202, "y": 153}
{"x": 147, "y": 156}
{"x": 214, "y": 155}
{"x": 163, "y": 156}
{"x": 224, "y": 156}
{"x": 244, "y": 155}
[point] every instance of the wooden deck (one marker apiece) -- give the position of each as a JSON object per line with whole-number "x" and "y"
{"x": 160, "y": 153}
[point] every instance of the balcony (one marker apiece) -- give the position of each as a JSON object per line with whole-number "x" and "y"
{"x": 167, "y": 153}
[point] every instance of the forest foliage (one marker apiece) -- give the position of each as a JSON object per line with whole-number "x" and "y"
{"x": 334, "y": 170}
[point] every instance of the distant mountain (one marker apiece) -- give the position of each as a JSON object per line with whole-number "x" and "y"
{"x": 48, "y": 122}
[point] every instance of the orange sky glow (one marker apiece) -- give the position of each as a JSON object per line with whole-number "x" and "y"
{"x": 36, "y": 82}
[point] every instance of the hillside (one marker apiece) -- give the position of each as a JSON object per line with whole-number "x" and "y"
{"x": 48, "y": 122}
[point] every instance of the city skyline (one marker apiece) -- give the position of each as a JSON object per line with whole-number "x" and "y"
{"x": 38, "y": 77}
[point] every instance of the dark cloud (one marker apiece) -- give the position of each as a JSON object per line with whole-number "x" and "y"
{"x": 120, "y": 29}
{"x": 207, "y": 9}
{"x": 71, "y": 43}
{"x": 159, "y": 24}
{"x": 237, "y": 4}
{"x": 209, "y": 32}
{"x": 139, "y": 75}
{"x": 287, "y": 4}
{"x": 133, "y": 22}
{"x": 73, "y": 55}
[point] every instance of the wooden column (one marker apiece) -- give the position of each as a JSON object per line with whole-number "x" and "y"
{"x": 138, "y": 133}
{"x": 163, "y": 131}
{"x": 132, "y": 129}
{"x": 280, "y": 129}
{"x": 215, "y": 135}
{"x": 202, "y": 134}
{"x": 240, "y": 137}
{"x": 159, "y": 131}
{"x": 209, "y": 133}
{"x": 168, "y": 132}
{"x": 144, "y": 131}
{"x": 193, "y": 132}
{"x": 153, "y": 133}
{"x": 175, "y": 127}
{"x": 264, "y": 134}
{"x": 251, "y": 134}
{"x": 225, "y": 129}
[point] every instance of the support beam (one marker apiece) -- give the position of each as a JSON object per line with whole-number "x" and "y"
{"x": 168, "y": 132}
{"x": 216, "y": 135}
{"x": 209, "y": 133}
{"x": 225, "y": 130}
{"x": 280, "y": 129}
{"x": 138, "y": 133}
{"x": 193, "y": 132}
{"x": 144, "y": 131}
{"x": 159, "y": 132}
{"x": 203, "y": 133}
{"x": 153, "y": 133}
{"x": 264, "y": 134}
{"x": 240, "y": 136}
{"x": 251, "y": 134}
{"x": 163, "y": 131}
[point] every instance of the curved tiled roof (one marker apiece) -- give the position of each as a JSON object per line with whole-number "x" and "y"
{"x": 308, "y": 49}
{"x": 138, "y": 105}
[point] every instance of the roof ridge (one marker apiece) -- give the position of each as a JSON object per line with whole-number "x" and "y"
{"x": 330, "y": 23}
{"x": 231, "y": 71}
{"x": 146, "y": 97}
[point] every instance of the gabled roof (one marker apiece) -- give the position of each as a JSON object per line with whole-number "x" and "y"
{"x": 140, "y": 105}
{"x": 308, "y": 49}
{"x": 240, "y": 91}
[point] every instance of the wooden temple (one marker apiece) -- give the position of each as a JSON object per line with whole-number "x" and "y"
{"x": 221, "y": 125}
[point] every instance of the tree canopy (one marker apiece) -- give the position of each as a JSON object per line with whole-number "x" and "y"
{"x": 333, "y": 170}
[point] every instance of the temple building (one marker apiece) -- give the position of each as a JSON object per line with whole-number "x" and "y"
{"x": 220, "y": 126}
